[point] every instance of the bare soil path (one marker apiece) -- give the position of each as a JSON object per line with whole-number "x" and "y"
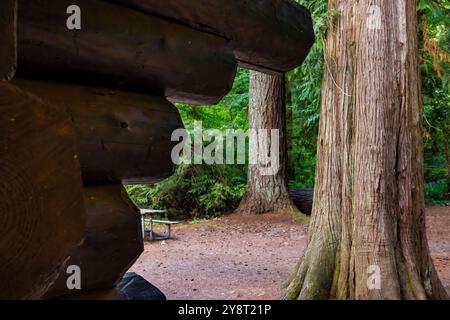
{"x": 249, "y": 257}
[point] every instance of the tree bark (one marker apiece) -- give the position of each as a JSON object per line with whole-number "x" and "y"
{"x": 266, "y": 193}
{"x": 368, "y": 206}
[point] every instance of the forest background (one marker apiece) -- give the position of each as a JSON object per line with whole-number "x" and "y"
{"x": 205, "y": 191}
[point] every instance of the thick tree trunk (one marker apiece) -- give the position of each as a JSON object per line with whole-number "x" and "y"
{"x": 368, "y": 211}
{"x": 266, "y": 193}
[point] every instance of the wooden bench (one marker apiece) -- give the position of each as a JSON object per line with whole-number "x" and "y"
{"x": 146, "y": 217}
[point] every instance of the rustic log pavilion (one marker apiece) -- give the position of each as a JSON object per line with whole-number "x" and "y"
{"x": 84, "y": 111}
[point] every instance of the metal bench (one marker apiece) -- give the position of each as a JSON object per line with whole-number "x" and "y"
{"x": 146, "y": 217}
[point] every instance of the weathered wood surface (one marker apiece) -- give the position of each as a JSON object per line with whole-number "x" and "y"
{"x": 8, "y": 58}
{"x": 121, "y": 137}
{"x": 113, "y": 240}
{"x": 267, "y": 35}
{"x": 125, "y": 49}
{"x": 303, "y": 199}
{"x": 42, "y": 216}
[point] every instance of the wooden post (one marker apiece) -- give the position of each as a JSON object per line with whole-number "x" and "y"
{"x": 42, "y": 215}
{"x": 121, "y": 137}
{"x": 113, "y": 240}
{"x": 125, "y": 49}
{"x": 8, "y": 58}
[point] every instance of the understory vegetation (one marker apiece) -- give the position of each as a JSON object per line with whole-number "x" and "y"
{"x": 202, "y": 191}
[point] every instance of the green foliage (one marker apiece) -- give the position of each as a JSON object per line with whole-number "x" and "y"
{"x": 435, "y": 69}
{"x": 199, "y": 191}
{"x": 230, "y": 113}
{"x": 194, "y": 191}
{"x": 435, "y": 193}
{"x": 306, "y": 84}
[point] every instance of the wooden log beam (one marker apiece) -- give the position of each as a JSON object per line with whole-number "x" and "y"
{"x": 8, "y": 58}
{"x": 125, "y": 49}
{"x": 42, "y": 215}
{"x": 121, "y": 137}
{"x": 303, "y": 199}
{"x": 267, "y": 35}
{"x": 113, "y": 241}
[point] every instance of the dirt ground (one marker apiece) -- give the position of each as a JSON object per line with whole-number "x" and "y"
{"x": 249, "y": 257}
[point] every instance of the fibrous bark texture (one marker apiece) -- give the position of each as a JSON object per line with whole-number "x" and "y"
{"x": 266, "y": 192}
{"x": 368, "y": 211}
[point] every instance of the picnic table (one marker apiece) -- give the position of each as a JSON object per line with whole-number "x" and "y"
{"x": 146, "y": 216}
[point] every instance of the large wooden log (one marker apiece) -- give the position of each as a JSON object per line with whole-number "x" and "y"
{"x": 125, "y": 49}
{"x": 121, "y": 137}
{"x": 113, "y": 241}
{"x": 8, "y": 58}
{"x": 267, "y": 35}
{"x": 42, "y": 215}
{"x": 303, "y": 199}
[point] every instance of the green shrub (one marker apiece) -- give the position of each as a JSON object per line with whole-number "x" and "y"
{"x": 194, "y": 191}
{"x": 436, "y": 193}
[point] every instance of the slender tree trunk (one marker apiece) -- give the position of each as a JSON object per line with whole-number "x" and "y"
{"x": 368, "y": 211}
{"x": 267, "y": 193}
